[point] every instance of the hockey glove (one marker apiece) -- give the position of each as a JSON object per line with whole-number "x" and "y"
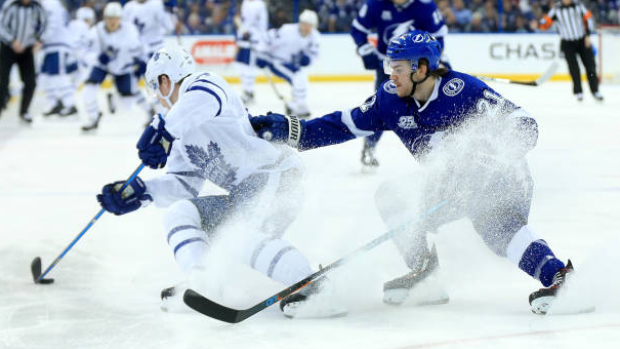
{"x": 128, "y": 200}
{"x": 304, "y": 60}
{"x": 155, "y": 144}
{"x": 103, "y": 58}
{"x": 369, "y": 55}
{"x": 293, "y": 66}
{"x": 139, "y": 67}
{"x": 278, "y": 128}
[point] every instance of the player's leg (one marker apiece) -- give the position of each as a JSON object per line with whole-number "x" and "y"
{"x": 27, "y": 73}
{"x": 7, "y": 58}
{"x": 246, "y": 61}
{"x": 67, "y": 88}
{"x": 89, "y": 95}
{"x": 127, "y": 87}
{"x": 50, "y": 69}
{"x": 501, "y": 217}
{"x": 587, "y": 58}
{"x": 402, "y": 206}
{"x": 570, "y": 54}
{"x": 298, "y": 105}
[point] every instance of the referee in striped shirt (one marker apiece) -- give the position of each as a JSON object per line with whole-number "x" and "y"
{"x": 575, "y": 24}
{"x": 22, "y": 23}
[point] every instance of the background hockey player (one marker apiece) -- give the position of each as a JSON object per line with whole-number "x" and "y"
{"x": 471, "y": 142}
{"x": 59, "y": 61}
{"x": 153, "y": 19}
{"x": 389, "y": 19}
{"x": 252, "y": 28}
{"x": 79, "y": 30}
{"x": 116, "y": 50}
{"x": 286, "y": 52}
{"x": 207, "y": 135}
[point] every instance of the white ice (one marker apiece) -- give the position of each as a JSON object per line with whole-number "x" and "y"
{"x": 106, "y": 293}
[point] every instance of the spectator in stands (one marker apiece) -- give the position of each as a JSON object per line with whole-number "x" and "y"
{"x": 477, "y": 24}
{"x": 510, "y": 14}
{"x": 341, "y": 14}
{"x": 490, "y": 18}
{"x": 462, "y": 15}
{"x": 219, "y": 21}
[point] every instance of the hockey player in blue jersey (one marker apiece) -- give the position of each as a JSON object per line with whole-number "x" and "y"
{"x": 429, "y": 107}
{"x": 390, "y": 19}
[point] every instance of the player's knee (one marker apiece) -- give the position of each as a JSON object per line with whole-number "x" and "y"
{"x": 184, "y": 234}
{"x": 181, "y": 213}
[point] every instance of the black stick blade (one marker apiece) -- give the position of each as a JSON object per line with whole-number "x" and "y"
{"x": 35, "y": 267}
{"x": 211, "y": 309}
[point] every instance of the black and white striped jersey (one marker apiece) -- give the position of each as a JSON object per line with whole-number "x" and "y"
{"x": 573, "y": 21}
{"x": 24, "y": 23}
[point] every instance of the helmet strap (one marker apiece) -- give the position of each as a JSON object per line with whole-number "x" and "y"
{"x": 167, "y": 97}
{"x": 415, "y": 84}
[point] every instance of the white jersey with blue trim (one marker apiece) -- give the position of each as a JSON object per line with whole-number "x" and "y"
{"x": 213, "y": 141}
{"x": 81, "y": 37}
{"x": 121, "y": 46}
{"x": 254, "y": 19}
{"x": 151, "y": 20}
{"x": 56, "y": 35}
{"x": 285, "y": 43}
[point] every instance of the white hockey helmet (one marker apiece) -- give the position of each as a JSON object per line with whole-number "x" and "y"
{"x": 85, "y": 14}
{"x": 310, "y": 17}
{"x": 172, "y": 61}
{"x": 113, "y": 9}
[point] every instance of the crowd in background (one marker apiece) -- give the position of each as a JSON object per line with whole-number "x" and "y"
{"x": 477, "y": 16}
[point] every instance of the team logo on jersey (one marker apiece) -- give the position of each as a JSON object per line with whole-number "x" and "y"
{"x": 386, "y": 15}
{"x": 453, "y": 87}
{"x": 407, "y": 122}
{"x": 368, "y": 104}
{"x": 212, "y": 164}
{"x": 390, "y": 87}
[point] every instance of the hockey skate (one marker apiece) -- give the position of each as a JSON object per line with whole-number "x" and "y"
{"x": 65, "y": 112}
{"x": 297, "y": 109}
{"x": 368, "y": 157}
{"x": 92, "y": 125}
{"x": 313, "y": 301}
{"x": 54, "y": 110}
{"x": 172, "y": 299}
{"x": 422, "y": 285}
{"x": 247, "y": 97}
{"x": 541, "y": 301}
{"x": 111, "y": 103}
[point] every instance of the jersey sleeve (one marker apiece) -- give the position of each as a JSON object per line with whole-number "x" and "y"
{"x": 342, "y": 126}
{"x": 363, "y": 24}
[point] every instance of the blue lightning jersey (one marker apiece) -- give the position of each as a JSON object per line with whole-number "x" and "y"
{"x": 456, "y": 98}
{"x": 390, "y": 20}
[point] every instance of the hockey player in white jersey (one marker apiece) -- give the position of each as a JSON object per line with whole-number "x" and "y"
{"x": 153, "y": 19}
{"x": 287, "y": 51}
{"x": 208, "y": 136}
{"x": 115, "y": 50}
{"x": 58, "y": 61}
{"x": 251, "y": 32}
{"x": 79, "y": 31}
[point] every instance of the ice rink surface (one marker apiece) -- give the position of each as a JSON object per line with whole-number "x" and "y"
{"x": 106, "y": 293}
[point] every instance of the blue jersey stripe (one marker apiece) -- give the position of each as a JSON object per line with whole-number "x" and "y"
{"x": 178, "y": 229}
{"x": 212, "y": 83}
{"x": 188, "y": 241}
{"x": 202, "y": 88}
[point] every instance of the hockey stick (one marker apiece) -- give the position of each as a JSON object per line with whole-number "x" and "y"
{"x": 541, "y": 80}
{"x": 217, "y": 311}
{"x": 35, "y": 266}
{"x": 273, "y": 84}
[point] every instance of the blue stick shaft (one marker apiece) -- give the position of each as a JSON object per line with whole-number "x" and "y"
{"x": 90, "y": 224}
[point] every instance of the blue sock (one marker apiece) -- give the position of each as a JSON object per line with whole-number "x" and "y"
{"x": 539, "y": 261}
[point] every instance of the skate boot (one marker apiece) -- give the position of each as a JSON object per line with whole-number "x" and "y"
{"x": 111, "y": 103}
{"x": 297, "y": 109}
{"x": 247, "y": 97}
{"x": 172, "y": 299}
{"x": 542, "y": 300}
{"x": 598, "y": 96}
{"x": 65, "y": 112}
{"x": 92, "y": 125}
{"x": 313, "y": 301}
{"x": 55, "y": 110}
{"x": 422, "y": 285}
{"x": 368, "y": 156}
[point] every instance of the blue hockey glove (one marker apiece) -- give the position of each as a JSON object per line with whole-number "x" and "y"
{"x": 278, "y": 128}
{"x": 155, "y": 144}
{"x": 369, "y": 55}
{"x": 304, "y": 60}
{"x": 139, "y": 67}
{"x": 128, "y": 200}
{"x": 103, "y": 58}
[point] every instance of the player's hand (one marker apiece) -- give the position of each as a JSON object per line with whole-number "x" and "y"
{"x": 139, "y": 67}
{"x": 103, "y": 58}
{"x": 277, "y": 128}
{"x": 17, "y": 46}
{"x": 369, "y": 55}
{"x": 587, "y": 42}
{"x": 155, "y": 144}
{"x": 120, "y": 202}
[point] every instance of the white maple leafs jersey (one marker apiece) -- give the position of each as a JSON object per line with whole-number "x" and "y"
{"x": 285, "y": 43}
{"x": 121, "y": 46}
{"x": 151, "y": 20}
{"x": 254, "y": 19}
{"x": 56, "y": 35}
{"x": 214, "y": 141}
{"x": 80, "y": 38}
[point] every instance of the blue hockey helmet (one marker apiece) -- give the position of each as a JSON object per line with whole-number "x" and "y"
{"x": 413, "y": 46}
